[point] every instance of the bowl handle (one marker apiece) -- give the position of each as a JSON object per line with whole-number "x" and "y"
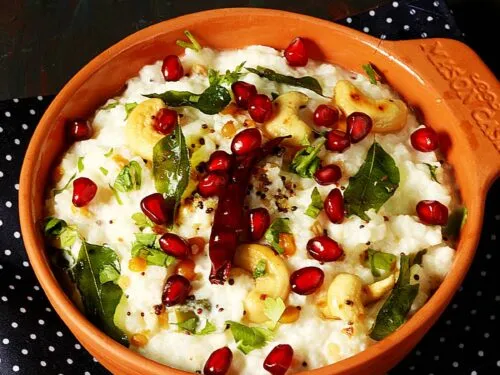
{"x": 469, "y": 89}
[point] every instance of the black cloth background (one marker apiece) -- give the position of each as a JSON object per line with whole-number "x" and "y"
{"x": 33, "y": 340}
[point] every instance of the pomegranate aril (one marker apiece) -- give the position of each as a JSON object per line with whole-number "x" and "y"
{"x": 176, "y": 290}
{"x": 424, "y": 140}
{"x": 243, "y": 92}
{"x": 296, "y": 53}
{"x": 174, "y": 245}
{"x": 246, "y": 141}
{"x": 334, "y": 206}
{"x": 213, "y": 184}
{"x": 171, "y": 68}
{"x": 219, "y": 361}
{"x": 279, "y": 359}
{"x": 325, "y": 115}
{"x": 84, "y": 190}
{"x": 329, "y": 174}
{"x": 259, "y": 221}
{"x": 260, "y": 107}
{"x": 432, "y": 212}
{"x": 165, "y": 120}
{"x": 324, "y": 249}
{"x": 155, "y": 208}
{"x": 306, "y": 280}
{"x": 337, "y": 140}
{"x": 358, "y": 126}
{"x": 220, "y": 161}
{"x": 78, "y": 130}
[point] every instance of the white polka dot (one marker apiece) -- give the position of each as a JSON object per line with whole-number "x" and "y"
{"x": 23, "y": 310}
{"x": 36, "y": 287}
{"x": 5, "y": 341}
{"x": 366, "y": 29}
{"x": 1, "y": 173}
{"x": 348, "y": 19}
{"x": 33, "y": 336}
{"x": 17, "y": 141}
{"x": 488, "y": 256}
{"x": 8, "y": 204}
{"x": 7, "y": 114}
{"x": 483, "y": 273}
{"x": 29, "y": 298}
{"x": 455, "y": 364}
{"x": 492, "y": 317}
{"x": 70, "y": 361}
{"x": 448, "y": 322}
{"x": 480, "y": 353}
{"x": 486, "y": 335}
{"x": 15, "y": 100}
{"x": 48, "y": 309}
{"x": 493, "y": 237}
{"x": 474, "y": 372}
{"x": 423, "y": 35}
{"x": 51, "y": 348}
{"x": 497, "y": 217}
{"x": 15, "y": 368}
{"x": 395, "y": 4}
{"x": 418, "y": 353}
{"x": 41, "y": 322}
{"x": 43, "y": 363}
{"x": 16, "y": 186}
{"x": 11, "y": 287}
{"x": 95, "y": 359}
{"x": 14, "y": 325}
{"x": 26, "y": 264}
{"x": 479, "y": 293}
{"x": 1, "y": 129}
{"x": 436, "y": 3}
{"x": 467, "y": 328}
{"x": 8, "y": 157}
{"x": 473, "y": 312}
{"x": 78, "y": 346}
{"x": 411, "y": 368}
{"x": 39, "y": 97}
{"x": 442, "y": 339}
{"x": 371, "y": 13}
{"x": 388, "y": 20}
{"x": 7, "y": 252}
{"x": 498, "y": 363}
{"x": 412, "y": 12}
{"x": 24, "y": 351}
{"x": 429, "y": 18}
{"x": 497, "y": 298}
{"x": 86, "y": 373}
{"x": 383, "y": 36}
{"x": 32, "y": 112}
{"x": 25, "y": 127}
{"x": 59, "y": 333}
{"x": 446, "y": 26}
{"x": 5, "y": 299}
{"x": 436, "y": 358}
{"x": 17, "y": 234}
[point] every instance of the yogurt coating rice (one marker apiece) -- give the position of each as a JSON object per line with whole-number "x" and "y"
{"x": 317, "y": 337}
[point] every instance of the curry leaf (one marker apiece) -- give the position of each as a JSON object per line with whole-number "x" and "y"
{"x": 432, "y": 171}
{"x": 306, "y": 162}
{"x": 306, "y": 82}
{"x": 193, "y": 43}
{"x": 211, "y": 101}
{"x": 53, "y": 226}
{"x": 142, "y": 221}
{"x": 68, "y": 237}
{"x": 116, "y": 195}
{"x": 110, "y": 106}
{"x": 381, "y": 264}
{"x": 209, "y": 328}
{"x": 108, "y": 154}
{"x": 374, "y": 183}
{"x": 80, "y": 164}
{"x": 272, "y": 235}
{"x": 260, "y": 269}
{"x": 274, "y": 308}
{"x": 129, "y": 107}
{"x": 316, "y": 204}
{"x": 416, "y": 258}
{"x": 171, "y": 166}
{"x": 249, "y": 338}
{"x": 371, "y": 73}
{"x": 189, "y": 324}
{"x": 104, "y": 171}
{"x": 129, "y": 178}
{"x": 215, "y": 78}
{"x": 455, "y": 223}
{"x": 59, "y": 191}
{"x": 99, "y": 299}
{"x": 108, "y": 273}
{"x": 395, "y": 309}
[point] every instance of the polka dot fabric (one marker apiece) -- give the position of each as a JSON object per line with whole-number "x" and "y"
{"x": 33, "y": 340}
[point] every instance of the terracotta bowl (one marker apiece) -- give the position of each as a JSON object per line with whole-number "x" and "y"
{"x": 445, "y": 80}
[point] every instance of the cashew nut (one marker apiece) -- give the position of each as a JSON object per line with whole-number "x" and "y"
{"x": 344, "y": 298}
{"x": 374, "y": 292}
{"x": 140, "y": 135}
{"x": 286, "y": 120}
{"x": 388, "y": 115}
{"x": 274, "y": 283}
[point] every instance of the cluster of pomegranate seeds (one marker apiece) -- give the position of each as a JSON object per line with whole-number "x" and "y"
{"x": 213, "y": 184}
{"x": 172, "y": 69}
{"x": 259, "y": 221}
{"x": 279, "y": 359}
{"x": 246, "y": 141}
{"x": 165, "y": 121}
{"x": 84, "y": 190}
{"x": 260, "y": 108}
{"x": 174, "y": 245}
{"x": 325, "y": 115}
{"x": 432, "y": 212}
{"x": 243, "y": 92}
{"x": 424, "y": 140}
{"x": 155, "y": 208}
{"x": 176, "y": 290}
{"x": 220, "y": 161}
{"x": 296, "y": 53}
{"x": 306, "y": 280}
{"x": 78, "y": 130}
{"x": 334, "y": 206}
{"x": 337, "y": 141}
{"x": 324, "y": 249}
{"x": 219, "y": 361}
{"x": 358, "y": 126}
{"x": 328, "y": 174}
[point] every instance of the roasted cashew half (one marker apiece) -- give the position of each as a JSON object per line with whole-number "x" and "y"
{"x": 140, "y": 135}
{"x": 286, "y": 120}
{"x": 388, "y": 115}
{"x": 275, "y": 282}
{"x": 375, "y": 291}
